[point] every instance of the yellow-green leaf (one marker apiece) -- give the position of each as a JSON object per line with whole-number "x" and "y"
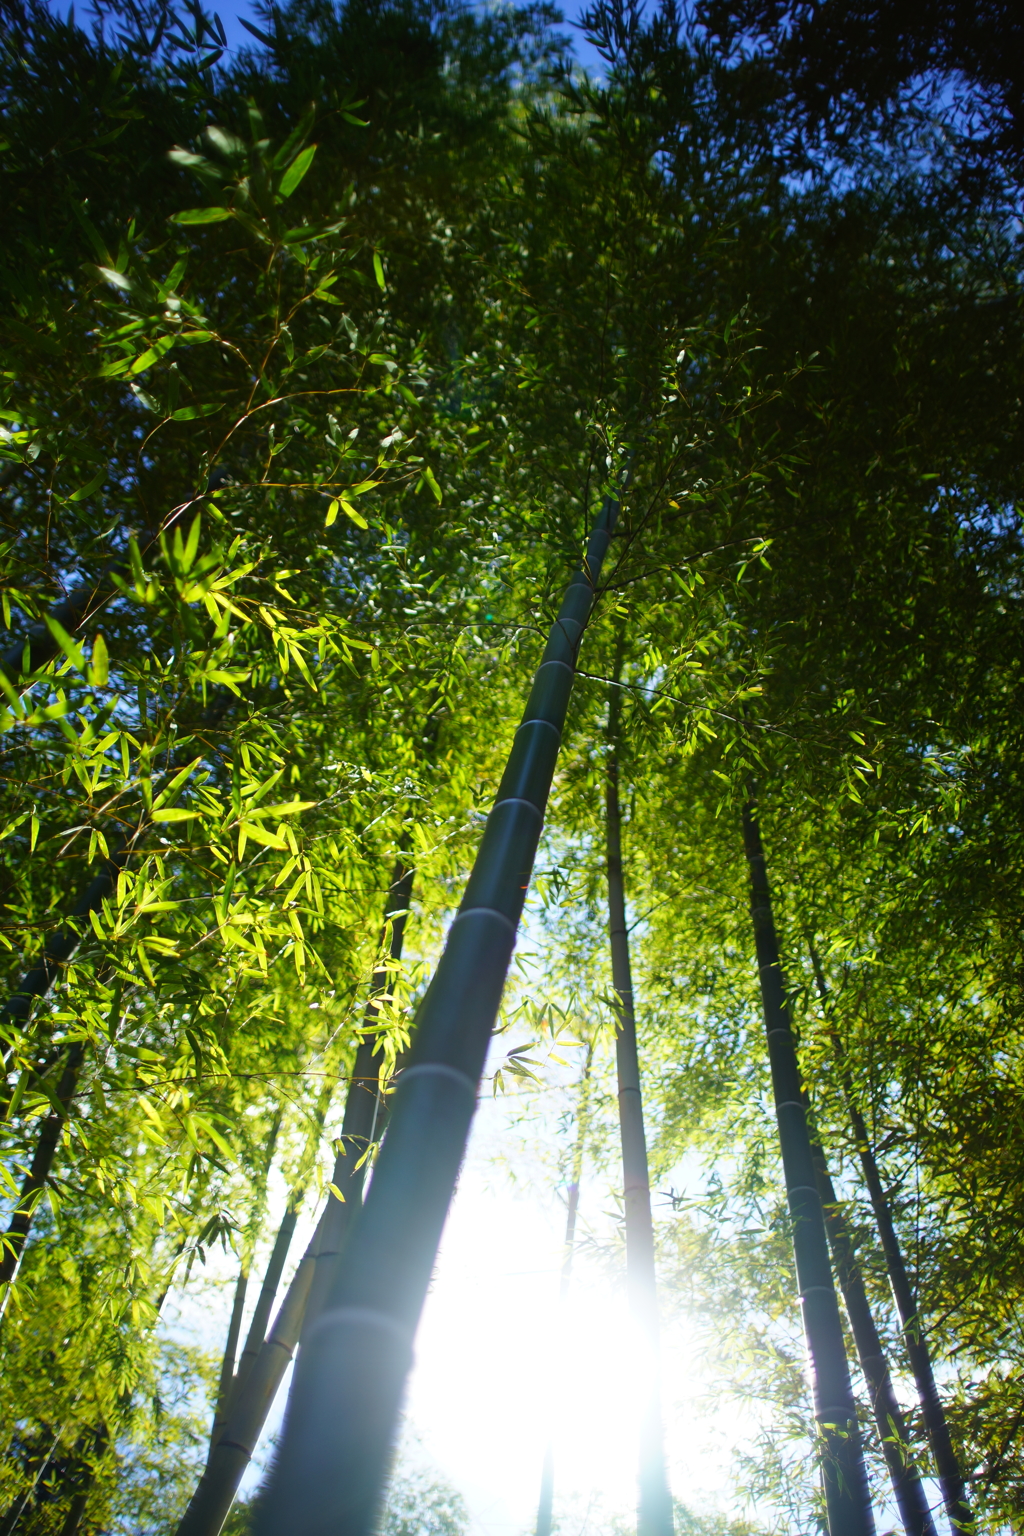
{"x": 261, "y": 835}
{"x": 99, "y": 669}
{"x": 350, "y": 511}
{"x": 201, "y": 216}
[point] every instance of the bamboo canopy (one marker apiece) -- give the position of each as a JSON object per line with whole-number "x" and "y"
{"x": 320, "y": 352}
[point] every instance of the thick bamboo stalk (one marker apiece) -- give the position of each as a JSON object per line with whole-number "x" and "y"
{"x": 546, "y": 1502}
{"x": 951, "y": 1479}
{"x": 347, "y": 1390}
{"x": 254, "y": 1392}
{"x": 907, "y": 1486}
{"x": 654, "y": 1512}
{"x": 845, "y": 1483}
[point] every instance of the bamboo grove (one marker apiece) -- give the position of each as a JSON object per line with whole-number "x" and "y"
{"x": 356, "y": 383}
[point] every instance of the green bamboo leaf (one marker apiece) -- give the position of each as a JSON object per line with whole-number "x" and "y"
{"x": 295, "y": 172}
{"x": 71, "y": 649}
{"x": 201, "y": 216}
{"x": 176, "y": 783}
{"x": 350, "y": 511}
{"x": 288, "y": 808}
{"x": 261, "y": 835}
{"x": 90, "y": 486}
{"x": 193, "y": 412}
{"x": 428, "y": 475}
{"x": 378, "y": 272}
{"x": 174, "y": 814}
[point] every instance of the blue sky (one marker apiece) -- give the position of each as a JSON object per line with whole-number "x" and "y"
{"x": 230, "y": 10}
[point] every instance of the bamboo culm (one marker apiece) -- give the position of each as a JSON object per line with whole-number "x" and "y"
{"x": 227, "y": 1364}
{"x": 363, "y": 1120}
{"x": 35, "y": 1180}
{"x": 909, "y": 1490}
{"x": 265, "y": 1301}
{"x": 546, "y": 1502}
{"x": 847, "y": 1498}
{"x": 255, "y": 1391}
{"x": 947, "y": 1463}
{"x": 654, "y": 1513}
{"x": 335, "y": 1449}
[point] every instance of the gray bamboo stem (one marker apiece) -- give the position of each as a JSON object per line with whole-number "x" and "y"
{"x": 847, "y": 1499}
{"x": 893, "y": 1435}
{"x": 227, "y": 1364}
{"x": 654, "y": 1513}
{"x": 268, "y": 1292}
{"x": 346, "y": 1395}
{"x": 951, "y": 1478}
{"x": 364, "y": 1107}
{"x": 39, "y": 1172}
{"x": 546, "y": 1502}
{"x": 211, "y": 1502}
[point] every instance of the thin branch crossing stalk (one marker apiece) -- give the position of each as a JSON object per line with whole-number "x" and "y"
{"x": 333, "y": 1460}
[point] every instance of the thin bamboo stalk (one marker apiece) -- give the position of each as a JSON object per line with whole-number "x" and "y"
{"x": 227, "y": 1364}
{"x": 268, "y": 1292}
{"x": 336, "y": 1446}
{"x": 847, "y": 1499}
{"x": 210, "y": 1504}
{"x": 654, "y": 1511}
{"x": 909, "y": 1490}
{"x": 38, "y": 1173}
{"x": 546, "y": 1502}
{"x": 951, "y": 1478}
{"x": 363, "y": 1122}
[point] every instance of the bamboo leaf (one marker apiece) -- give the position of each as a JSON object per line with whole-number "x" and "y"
{"x": 71, "y": 649}
{"x": 295, "y": 172}
{"x": 99, "y": 667}
{"x": 201, "y": 216}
